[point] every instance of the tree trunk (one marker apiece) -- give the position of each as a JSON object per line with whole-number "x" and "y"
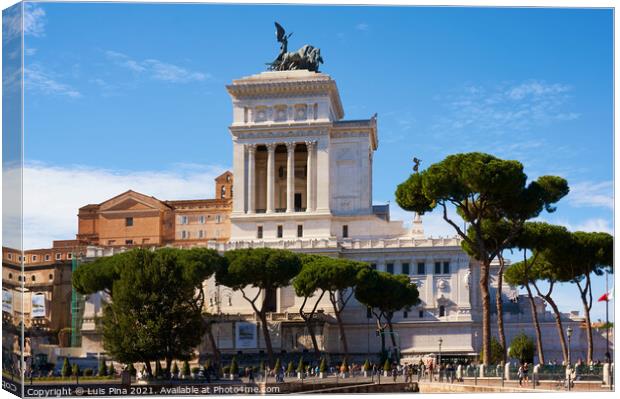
{"x": 539, "y": 344}
{"x": 315, "y": 344}
{"x": 500, "y": 307}
{"x": 343, "y": 337}
{"x": 558, "y": 323}
{"x": 216, "y": 350}
{"x": 486, "y": 319}
{"x": 149, "y": 370}
{"x": 168, "y": 364}
{"x": 586, "y": 312}
{"x": 263, "y": 321}
{"x": 391, "y": 328}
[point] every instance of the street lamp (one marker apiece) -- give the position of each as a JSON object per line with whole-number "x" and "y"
{"x": 569, "y": 333}
{"x": 440, "y": 340}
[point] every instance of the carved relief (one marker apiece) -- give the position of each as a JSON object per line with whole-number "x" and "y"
{"x": 260, "y": 114}
{"x": 280, "y": 113}
{"x": 301, "y": 112}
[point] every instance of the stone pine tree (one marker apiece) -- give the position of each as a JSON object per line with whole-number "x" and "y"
{"x": 591, "y": 253}
{"x": 157, "y": 302}
{"x": 522, "y": 348}
{"x": 543, "y": 241}
{"x": 480, "y": 187}
{"x": 322, "y": 275}
{"x": 384, "y": 294}
{"x": 257, "y": 274}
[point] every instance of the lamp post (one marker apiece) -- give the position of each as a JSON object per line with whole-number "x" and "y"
{"x": 569, "y": 333}
{"x": 440, "y": 340}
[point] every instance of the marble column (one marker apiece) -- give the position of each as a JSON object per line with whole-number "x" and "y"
{"x": 271, "y": 173}
{"x": 310, "y": 145}
{"x": 251, "y": 178}
{"x": 290, "y": 177}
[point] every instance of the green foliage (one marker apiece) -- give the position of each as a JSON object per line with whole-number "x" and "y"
{"x": 102, "y": 369}
{"x": 75, "y": 370}
{"x": 156, "y": 307}
{"x": 195, "y": 370}
{"x": 387, "y": 366}
{"x": 234, "y": 367}
{"x": 291, "y": 367}
{"x": 386, "y": 292}
{"x": 300, "y": 365}
{"x": 132, "y": 370}
{"x": 522, "y": 348}
{"x": 278, "y": 365}
{"x": 366, "y": 366}
{"x": 175, "y": 368}
{"x": 88, "y": 372}
{"x": 185, "y": 369}
{"x": 323, "y": 365}
{"x": 323, "y": 273}
{"x": 66, "y": 368}
{"x": 496, "y": 351}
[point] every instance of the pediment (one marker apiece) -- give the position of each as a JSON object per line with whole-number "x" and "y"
{"x": 132, "y": 201}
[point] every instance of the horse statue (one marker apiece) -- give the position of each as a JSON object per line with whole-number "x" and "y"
{"x": 308, "y": 57}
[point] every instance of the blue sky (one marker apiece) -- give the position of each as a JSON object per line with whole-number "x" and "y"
{"x": 123, "y": 96}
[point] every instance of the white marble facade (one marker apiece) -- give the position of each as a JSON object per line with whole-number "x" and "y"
{"x": 303, "y": 181}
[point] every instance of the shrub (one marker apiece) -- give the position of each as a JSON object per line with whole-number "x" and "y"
{"x": 323, "y": 365}
{"x": 102, "y": 369}
{"x": 366, "y": 365}
{"x": 522, "y": 347}
{"x": 278, "y": 365}
{"x": 75, "y": 370}
{"x": 66, "y": 368}
{"x": 300, "y": 366}
{"x": 234, "y": 367}
{"x": 88, "y": 372}
{"x": 387, "y": 366}
{"x": 344, "y": 367}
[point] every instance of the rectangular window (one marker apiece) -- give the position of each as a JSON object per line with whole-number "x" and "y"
{"x": 184, "y": 234}
{"x": 10, "y": 256}
{"x": 421, "y": 268}
{"x": 259, "y": 231}
{"x": 58, "y": 256}
{"x": 280, "y": 231}
{"x": 34, "y": 258}
{"x": 405, "y": 268}
{"x": 184, "y": 219}
{"x": 69, "y": 255}
{"x": 128, "y": 242}
{"x": 437, "y": 267}
{"x": 202, "y": 219}
{"x": 47, "y": 257}
{"x": 373, "y": 266}
{"x": 345, "y": 231}
{"x": 421, "y": 314}
{"x": 405, "y": 314}
{"x": 389, "y": 268}
{"x": 446, "y": 268}
{"x": 218, "y": 218}
{"x": 300, "y": 230}
{"x": 201, "y": 234}
{"x": 129, "y": 222}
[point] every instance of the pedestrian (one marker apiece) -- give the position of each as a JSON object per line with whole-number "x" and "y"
{"x": 394, "y": 373}
{"x": 520, "y": 375}
{"x": 526, "y": 369}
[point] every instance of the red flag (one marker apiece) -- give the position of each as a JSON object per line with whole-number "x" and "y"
{"x": 604, "y": 297}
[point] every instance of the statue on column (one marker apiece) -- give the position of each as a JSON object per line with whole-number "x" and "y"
{"x": 308, "y": 57}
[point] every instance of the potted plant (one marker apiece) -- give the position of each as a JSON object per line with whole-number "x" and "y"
{"x": 300, "y": 368}
{"x": 234, "y": 368}
{"x": 290, "y": 369}
{"x": 322, "y": 368}
{"x": 175, "y": 370}
{"x": 344, "y": 368}
{"x": 277, "y": 367}
{"x": 387, "y": 367}
{"x": 366, "y": 368}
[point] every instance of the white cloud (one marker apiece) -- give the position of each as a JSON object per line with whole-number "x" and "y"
{"x": 433, "y": 222}
{"x": 156, "y": 69}
{"x": 34, "y": 20}
{"x": 30, "y": 51}
{"x": 53, "y": 194}
{"x": 591, "y": 224}
{"x": 592, "y": 194}
{"x": 475, "y": 109}
{"x": 38, "y": 79}
{"x": 362, "y": 26}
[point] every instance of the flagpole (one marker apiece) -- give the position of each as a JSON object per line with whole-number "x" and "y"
{"x": 607, "y": 354}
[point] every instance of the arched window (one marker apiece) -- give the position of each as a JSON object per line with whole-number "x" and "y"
{"x": 223, "y": 192}
{"x": 442, "y": 311}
